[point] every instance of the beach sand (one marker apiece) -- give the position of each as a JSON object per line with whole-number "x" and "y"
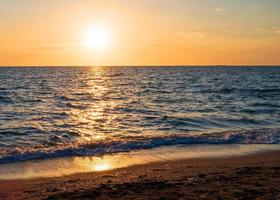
{"x": 243, "y": 177}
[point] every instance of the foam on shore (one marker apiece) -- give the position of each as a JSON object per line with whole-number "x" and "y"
{"x": 71, "y": 165}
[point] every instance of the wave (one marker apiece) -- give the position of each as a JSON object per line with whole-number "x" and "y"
{"x": 259, "y": 136}
{"x": 52, "y": 112}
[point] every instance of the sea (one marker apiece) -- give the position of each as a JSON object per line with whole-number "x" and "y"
{"x": 53, "y": 112}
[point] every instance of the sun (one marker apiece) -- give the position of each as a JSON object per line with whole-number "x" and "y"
{"x": 97, "y": 38}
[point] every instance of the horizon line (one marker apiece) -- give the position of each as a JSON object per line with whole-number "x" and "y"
{"x": 3, "y": 66}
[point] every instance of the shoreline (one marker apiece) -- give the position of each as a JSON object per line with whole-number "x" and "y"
{"x": 63, "y": 166}
{"x": 238, "y": 177}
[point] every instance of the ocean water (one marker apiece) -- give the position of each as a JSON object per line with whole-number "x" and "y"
{"x": 89, "y": 111}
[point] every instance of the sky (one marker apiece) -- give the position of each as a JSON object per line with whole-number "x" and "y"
{"x": 140, "y": 32}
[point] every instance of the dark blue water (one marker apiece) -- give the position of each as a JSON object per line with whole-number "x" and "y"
{"x": 51, "y": 112}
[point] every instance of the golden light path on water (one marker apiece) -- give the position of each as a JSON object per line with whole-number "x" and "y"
{"x": 72, "y": 165}
{"x": 99, "y": 120}
{"x": 94, "y": 116}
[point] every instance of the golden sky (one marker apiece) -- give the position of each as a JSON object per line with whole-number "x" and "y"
{"x": 140, "y": 32}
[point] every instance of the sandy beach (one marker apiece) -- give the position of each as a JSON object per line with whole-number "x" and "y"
{"x": 242, "y": 177}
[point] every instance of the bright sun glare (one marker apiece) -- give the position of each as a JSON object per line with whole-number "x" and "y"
{"x": 97, "y": 38}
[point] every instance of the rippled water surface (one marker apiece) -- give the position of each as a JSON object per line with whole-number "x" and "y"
{"x": 52, "y": 112}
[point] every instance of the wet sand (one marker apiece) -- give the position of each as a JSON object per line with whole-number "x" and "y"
{"x": 244, "y": 177}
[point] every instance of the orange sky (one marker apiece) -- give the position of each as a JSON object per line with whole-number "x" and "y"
{"x": 146, "y": 32}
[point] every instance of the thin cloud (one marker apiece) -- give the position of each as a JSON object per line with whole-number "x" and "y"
{"x": 270, "y": 31}
{"x": 192, "y": 35}
{"x": 220, "y": 9}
